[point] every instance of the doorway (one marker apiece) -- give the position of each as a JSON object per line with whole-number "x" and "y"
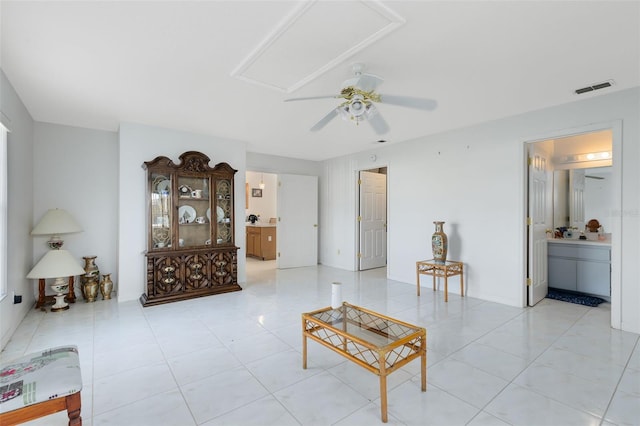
{"x": 577, "y": 153}
{"x": 261, "y": 208}
{"x": 372, "y": 219}
{"x": 281, "y": 220}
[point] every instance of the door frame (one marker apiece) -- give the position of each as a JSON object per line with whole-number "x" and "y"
{"x": 616, "y": 232}
{"x": 356, "y": 234}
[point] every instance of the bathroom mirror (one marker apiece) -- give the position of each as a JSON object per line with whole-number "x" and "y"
{"x": 580, "y": 195}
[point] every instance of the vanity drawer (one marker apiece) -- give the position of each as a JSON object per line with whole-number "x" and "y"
{"x": 577, "y": 251}
{"x": 595, "y": 253}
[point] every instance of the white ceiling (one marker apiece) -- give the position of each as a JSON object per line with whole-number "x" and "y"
{"x": 193, "y": 65}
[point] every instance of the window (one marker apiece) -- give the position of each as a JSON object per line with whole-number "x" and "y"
{"x": 3, "y": 211}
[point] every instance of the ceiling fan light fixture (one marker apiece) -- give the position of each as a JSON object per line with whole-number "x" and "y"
{"x": 357, "y": 106}
{"x": 359, "y": 97}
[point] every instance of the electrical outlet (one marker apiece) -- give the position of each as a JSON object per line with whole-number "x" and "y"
{"x": 17, "y": 299}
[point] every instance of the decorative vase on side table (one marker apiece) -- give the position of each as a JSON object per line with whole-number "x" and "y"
{"x": 439, "y": 243}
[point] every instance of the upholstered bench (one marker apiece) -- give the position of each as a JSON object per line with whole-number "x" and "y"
{"x": 40, "y": 384}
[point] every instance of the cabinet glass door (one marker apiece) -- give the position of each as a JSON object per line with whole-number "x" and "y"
{"x": 194, "y": 211}
{"x": 160, "y": 210}
{"x": 224, "y": 211}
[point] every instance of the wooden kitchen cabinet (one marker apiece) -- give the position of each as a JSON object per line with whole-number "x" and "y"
{"x": 261, "y": 242}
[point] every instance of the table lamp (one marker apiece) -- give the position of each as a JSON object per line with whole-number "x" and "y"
{"x": 56, "y": 222}
{"x": 58, "y": 264}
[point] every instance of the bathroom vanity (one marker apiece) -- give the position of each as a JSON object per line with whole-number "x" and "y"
{"x": 580, "y": 265}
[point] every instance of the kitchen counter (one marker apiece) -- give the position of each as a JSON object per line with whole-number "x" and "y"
{"x": 260, "y": 225}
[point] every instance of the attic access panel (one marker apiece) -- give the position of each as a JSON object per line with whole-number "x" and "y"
{"x": 315, "y": 37}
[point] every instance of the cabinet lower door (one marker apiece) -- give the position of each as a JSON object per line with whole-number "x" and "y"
{"x": 166, "y": 271}
{"x": 562, "y": 274}
{"x": 196, "y": 273}
{"x": 224, "y": 271}
{"x": 594, "y": 278}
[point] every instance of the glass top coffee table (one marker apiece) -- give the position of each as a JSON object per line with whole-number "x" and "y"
{"x": 376, "y": 342}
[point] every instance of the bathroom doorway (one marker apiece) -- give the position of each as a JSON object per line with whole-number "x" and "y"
{"x": 588, "y": 155}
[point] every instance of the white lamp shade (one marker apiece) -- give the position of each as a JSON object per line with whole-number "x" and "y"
{"x": 55, "y": 264}
{"x": 56, "y": 222}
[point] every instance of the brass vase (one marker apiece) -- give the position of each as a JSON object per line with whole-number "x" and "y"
{"x": 90, "y": 288}
{"x": 439, "y": 243}
{"x": 106, "y": 286}
{"x": 90, "y": 271}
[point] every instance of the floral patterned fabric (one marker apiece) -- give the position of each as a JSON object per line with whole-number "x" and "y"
{"x": 39, "y": 377}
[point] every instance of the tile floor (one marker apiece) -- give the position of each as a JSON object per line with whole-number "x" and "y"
{"x": 234, "y": 359}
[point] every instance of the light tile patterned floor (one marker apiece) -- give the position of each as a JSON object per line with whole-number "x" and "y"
{"x": 234, "y": 359}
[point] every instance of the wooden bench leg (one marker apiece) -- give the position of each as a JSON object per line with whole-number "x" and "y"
{"x": 73, "y": 409}
{"x": 72, "y": 403}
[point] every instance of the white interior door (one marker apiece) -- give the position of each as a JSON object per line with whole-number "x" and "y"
{"x": 372, "y": 220}
{"x": 576, "y": 201}
{"x": 540, "y": 215}
{"x": 297, "y": 238}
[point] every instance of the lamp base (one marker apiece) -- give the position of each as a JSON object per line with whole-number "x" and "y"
{"x": 60, "y": 287}
{"x": 60, "y": 304}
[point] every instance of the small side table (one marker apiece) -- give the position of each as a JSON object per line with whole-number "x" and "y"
{"x": 449, "y": 268}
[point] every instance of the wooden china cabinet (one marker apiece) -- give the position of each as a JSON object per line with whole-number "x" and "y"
{"x": 190, "y": 243}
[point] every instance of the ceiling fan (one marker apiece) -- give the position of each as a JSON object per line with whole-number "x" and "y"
{"x": 360, "y": 95}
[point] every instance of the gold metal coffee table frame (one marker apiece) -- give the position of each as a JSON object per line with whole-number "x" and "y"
{"x": 376, "y": 342}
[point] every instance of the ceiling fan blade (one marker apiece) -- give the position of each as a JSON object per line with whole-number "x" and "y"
{"x": 325, "y": 120}
{"x": 409, "y": 102}
{"x": 378, "y": 123}
{"x": 365, "y": 82}
{"x": 313, "y": 97}
{"x": 369, "y": 82}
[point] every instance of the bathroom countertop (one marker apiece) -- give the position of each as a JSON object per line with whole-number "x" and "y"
{"x": 606, "y": 243}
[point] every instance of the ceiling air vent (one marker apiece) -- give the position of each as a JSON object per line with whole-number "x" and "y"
{"x": 595, "y": 86}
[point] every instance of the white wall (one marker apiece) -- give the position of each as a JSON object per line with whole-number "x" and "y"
{"x": 276, "y": 164}
{"x": 76, "y": 169}
{"x": 139, "y": 143}
{"x": 473, "y": 179}
{"x": 20, "y": 206}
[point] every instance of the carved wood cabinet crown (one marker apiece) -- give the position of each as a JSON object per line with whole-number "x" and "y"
{"x": 190, "y": 229}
